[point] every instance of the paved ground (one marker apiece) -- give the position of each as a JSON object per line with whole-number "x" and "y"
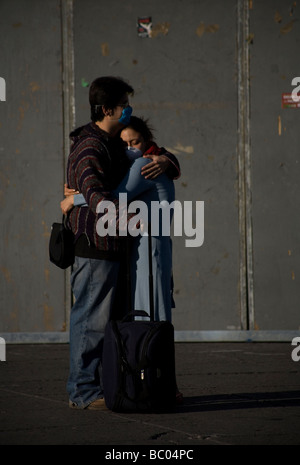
{"x": 235, "y": 394}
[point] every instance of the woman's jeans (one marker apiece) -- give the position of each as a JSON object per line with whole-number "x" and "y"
{"x": 94, "y": 285}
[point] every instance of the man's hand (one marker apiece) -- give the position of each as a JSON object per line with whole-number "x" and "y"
{"x": 158, "y": 166}
{"x": 67, "y": 204}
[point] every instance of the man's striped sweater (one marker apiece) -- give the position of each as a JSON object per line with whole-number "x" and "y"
{"x": 96, "y": 165}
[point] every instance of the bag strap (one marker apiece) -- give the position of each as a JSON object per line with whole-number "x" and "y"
{"x": 134, "y": 313}
{"x": 151, "y": 301}
{"x": 65, "y": 221}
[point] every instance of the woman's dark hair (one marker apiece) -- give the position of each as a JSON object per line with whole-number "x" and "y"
{"x": 106, "y": 91}
{"x": 140, "y": 125}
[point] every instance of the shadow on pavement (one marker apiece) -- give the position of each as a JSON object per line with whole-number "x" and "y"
{"x": 241, "y": 401}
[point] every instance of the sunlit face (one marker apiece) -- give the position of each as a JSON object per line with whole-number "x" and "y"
{"x": 116, "y": 113}
{"x": 134, "y": 139}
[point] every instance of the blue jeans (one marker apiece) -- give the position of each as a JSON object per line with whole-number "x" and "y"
{"x": 94, "y": 285}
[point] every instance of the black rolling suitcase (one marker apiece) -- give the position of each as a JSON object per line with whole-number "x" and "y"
{"x": 138, "y": 362}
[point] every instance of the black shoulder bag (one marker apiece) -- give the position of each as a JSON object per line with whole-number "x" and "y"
{"x": 61, "y": 245}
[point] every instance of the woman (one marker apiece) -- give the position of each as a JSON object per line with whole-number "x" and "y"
{"x": 146, "y": 180}
{"x": 148, "y": 184}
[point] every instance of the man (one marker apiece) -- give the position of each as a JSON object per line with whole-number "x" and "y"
{"x": 96, "y": 165}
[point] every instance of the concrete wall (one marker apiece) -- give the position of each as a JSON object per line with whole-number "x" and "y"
{"x": 210, "y": 79}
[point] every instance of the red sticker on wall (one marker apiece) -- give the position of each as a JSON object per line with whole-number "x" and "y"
{"x": 144, "y": 26}
{"x": 290, "y": 101}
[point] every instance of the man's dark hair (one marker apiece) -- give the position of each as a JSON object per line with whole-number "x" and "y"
{"x": 140, "y": 125}
{"x": 106, "y": 91}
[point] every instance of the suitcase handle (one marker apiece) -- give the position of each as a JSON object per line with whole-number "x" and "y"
{"x": 130, "y": 316}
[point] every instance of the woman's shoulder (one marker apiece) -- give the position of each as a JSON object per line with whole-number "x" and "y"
{"x": 140, "y": 162}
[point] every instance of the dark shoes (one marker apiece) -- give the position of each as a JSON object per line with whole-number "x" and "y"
{"x": 98, "y": 404}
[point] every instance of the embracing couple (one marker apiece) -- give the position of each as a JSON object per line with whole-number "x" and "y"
{"x": 114, "y": 153}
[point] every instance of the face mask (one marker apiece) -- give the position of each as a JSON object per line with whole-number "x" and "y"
{"x": 125, "y": 117}
{"x": 133, "y": 153}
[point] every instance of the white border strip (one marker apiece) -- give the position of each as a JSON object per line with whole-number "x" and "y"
{"x": 35, "y": 338}
{"x": 180, "y": 336}
{"x": 235, "y": 336}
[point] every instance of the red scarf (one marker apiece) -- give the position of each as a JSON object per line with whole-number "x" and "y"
{"x": 154, "y": 150}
